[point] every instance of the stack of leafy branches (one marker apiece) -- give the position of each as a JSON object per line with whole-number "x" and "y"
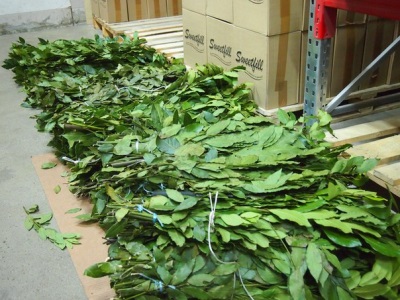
{"x": 199, "y": 197}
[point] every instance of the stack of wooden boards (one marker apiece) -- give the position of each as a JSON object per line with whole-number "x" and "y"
{"x": 163, "y": 34}
{"x": 374, "y": 136}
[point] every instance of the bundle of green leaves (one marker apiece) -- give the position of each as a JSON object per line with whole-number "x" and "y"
{"x": 199, "y": 197}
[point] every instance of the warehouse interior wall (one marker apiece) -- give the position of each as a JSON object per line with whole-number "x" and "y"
{"x": 28, "y": 15}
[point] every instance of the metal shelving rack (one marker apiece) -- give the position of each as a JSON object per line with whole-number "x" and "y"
{"x": 322, "y": 26}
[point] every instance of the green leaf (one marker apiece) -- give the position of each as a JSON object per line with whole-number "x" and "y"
{"x": 164, "y": 274}
{"x": 168, "y": 145}
{"x": 371, "y": 291}
{"x": 45, "y": 218}
{"x": 84, "y": 217}
{"x": 73, "y": 210}
{"x": 123, "y": 147}
{"x": 100, "y": 269}
{"x": 225, "y": 269}
{"x": 183, "y": 272}
{"x": 186, "y": 204}
{"x": 314, "y": 261}
{"x": 232, "y": 219}
{"x": 342, "y": 239}
{"x": 342, "y": 226}
{"x": 42, "y": 233}
{"x": 291, "y": 215}
{"x": 178, "y": 238}
{"x": 28, "y": 223}
{"x": 48, "y": 165}
{"x": 116, "y": 228}
{"x": 175, "y": 195}
{"x": 33, "y": 209}
{"x": 198, "y": 233}
{"x": 390, "y": 250}
{"x": 200, "y": 279}
{"x": 121, "y": 213}
{"x": 169, "y": 131}
{"x": 195, "y": 293}
{"x": 57, "y": 189}
{"x": 190, "y": 149}
{"x": 225, "y": 235}
{"x": 218, "y": 127}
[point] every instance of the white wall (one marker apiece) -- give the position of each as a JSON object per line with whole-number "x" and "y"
{"x": 28, "y": 15}
{"x": 24, "y": 6}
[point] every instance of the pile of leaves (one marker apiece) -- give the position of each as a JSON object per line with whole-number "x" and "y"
{"x": 199, "y": 197}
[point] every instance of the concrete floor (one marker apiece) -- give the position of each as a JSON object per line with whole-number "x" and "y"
{"x": 29, "y": 267}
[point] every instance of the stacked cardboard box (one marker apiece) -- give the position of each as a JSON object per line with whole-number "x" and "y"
{"x": 194, "y": 32}
{"x": 379, "y": 34}
{"x": 270, "y": 39}
{"x": 394, "y": 70}
{"x": 262, "y": 36}
{"x": 115, "y": 11}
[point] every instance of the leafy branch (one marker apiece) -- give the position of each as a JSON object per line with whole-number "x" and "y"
{"x": 40, "y": 223}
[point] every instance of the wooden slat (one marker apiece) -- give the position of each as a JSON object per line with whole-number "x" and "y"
{"x": 366, "y": 128}
{"x": 387, "y": 149}
{"x": 153, "y": 31}
{"x": 395, "y": 189}
{"x": 389, "y": 173}
{"x": 172, "y": 36}
{"x": 168, "y": 46}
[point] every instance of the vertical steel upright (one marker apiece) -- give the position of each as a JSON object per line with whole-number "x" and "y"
{"x": 317, "y": 68}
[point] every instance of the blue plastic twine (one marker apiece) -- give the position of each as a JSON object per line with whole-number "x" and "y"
{"x": 141, "y": 208}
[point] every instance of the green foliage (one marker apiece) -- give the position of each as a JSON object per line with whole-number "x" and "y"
{"x": 40, "y": 223}
{"x": 201, "y": 198}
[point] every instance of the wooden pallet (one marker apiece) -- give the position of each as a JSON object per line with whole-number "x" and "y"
{"x": 353, "y": 97}
{"x": 163, "y": 34}
{"x": 374, "y": 136}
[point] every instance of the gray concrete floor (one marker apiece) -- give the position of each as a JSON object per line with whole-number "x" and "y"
{"x": 29, "y": 267}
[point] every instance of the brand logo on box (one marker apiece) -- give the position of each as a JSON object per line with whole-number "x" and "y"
{"x": 197, "y": 38}
{"x": 225, "y": 50}
{"x": 254, "y": 63}
{"x": 257, "y": 1}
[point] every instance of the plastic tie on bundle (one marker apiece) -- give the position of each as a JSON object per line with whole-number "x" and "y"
{"x": 213, "y": 207}
{"x": 70, "y": 160}
{"x": 141, "y": 208}
{"x": 137, "y": 146}
{"x": 157, "y": 283}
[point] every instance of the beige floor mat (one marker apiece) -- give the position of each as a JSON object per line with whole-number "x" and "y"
{"x": 91, "y": 250}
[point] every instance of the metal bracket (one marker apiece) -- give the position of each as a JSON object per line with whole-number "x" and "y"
{"x": 367, "y": 71}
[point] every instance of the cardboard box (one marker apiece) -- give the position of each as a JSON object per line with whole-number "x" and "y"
{"x": 137, "y": 10}
{"x": 306, "y": 15}
{"x": 272, "y": 65}
{"x": 220, "y": 43}
{"x": 157, "y": 8}
{"x": 194, "y": 38}
{"x": 174, "y": 7}
{"x": 394, "y": 70}
{"x": 346, "y": 17}
{"x": 113, "y": 11}
{"x": 269, "y": 17}
{"x": 198, "y": 6}
{"x": 95, "y": 7}
{"x": 347, "y": 56}
{"x": 378, "y": 37}
{"x": 303, "y": 63}
{"x": 220, "y": 9}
